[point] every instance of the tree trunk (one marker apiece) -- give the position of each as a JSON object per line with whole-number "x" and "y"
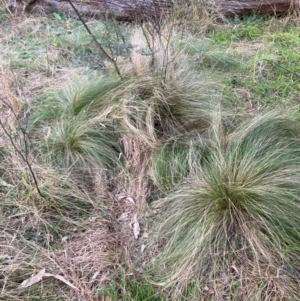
{"x": 128, "y": 10}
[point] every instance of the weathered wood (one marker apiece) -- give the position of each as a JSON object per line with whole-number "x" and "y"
{"x": 245, "y": 7}
{"x": 120, "y": 9}
{"x": 144, "y": 9}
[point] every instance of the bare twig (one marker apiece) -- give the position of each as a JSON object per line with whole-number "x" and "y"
{"x": 25, "y": 153}
{"x": 282, "y": 67}
{"x": 107, "y": 55}
{"x": 23, "y": 157}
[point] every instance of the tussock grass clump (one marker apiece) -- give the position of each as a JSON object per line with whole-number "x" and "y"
{"x": 146, "y": 110}
{"x": 83, "y": 144}
{"x": 81, "y": 93}
{"x": 153, "y": 110}
{"x": 163, "y": 96}
{"x": 75, "y": 127}
{"x": 82, "y": 125}
{"x": 233, "y": 225}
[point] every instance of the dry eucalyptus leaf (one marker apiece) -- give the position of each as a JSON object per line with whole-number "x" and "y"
{"x": 136, "y": 230}
{"x": 130, "y": 199}
{"x": 136, "y": 227}
{"x": 62, "y": 279}
{"x": 120, "y": 196}
{"x": 40, "y": 275}
{"x": 123, "y": 216}
{"x": 32, "y": 280}
{"x": 95, "y": 275}
{"x": 65, "y": 238}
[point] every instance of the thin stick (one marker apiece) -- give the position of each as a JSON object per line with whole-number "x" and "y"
{"x": 109, "y": 57}
{"x": 25, "y": 159}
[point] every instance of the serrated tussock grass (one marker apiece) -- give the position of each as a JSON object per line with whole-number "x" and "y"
{"x": 233, "y": 225}
{"x": 82, "y": 143}
{"x": 162, "y": 95}
{"x": 88, "y": 123}
{"x": 70, "y": 126}
{"x": 153, "y": 110}
{"x": 81, "y": 93}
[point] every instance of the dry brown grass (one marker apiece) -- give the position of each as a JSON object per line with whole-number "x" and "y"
{"x": 10, "y": 96}
{"x": 85, "y": 259}
{"x": 90, "y": 259}
{"x": 46, "y": 65}
{"x": 138, "y": 157}
{"x": 46, "y": 233}
{"x": 133, "y": 191}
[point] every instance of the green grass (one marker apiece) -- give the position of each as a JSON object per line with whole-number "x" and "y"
{"x": 249, "y": 32}
{"x": 239, "y": 208}
{"x": 268, "y": 60}
{"x": 174, "y": 160}
{"x": 83, "y": 94}
{"x": 207, "y": 54}
{"x": 133, "y": 290}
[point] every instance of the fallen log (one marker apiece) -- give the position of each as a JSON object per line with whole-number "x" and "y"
{"x": 266, "y": 7}
{"x": 122, "y": 10}
{"x": 128, "y": 10}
